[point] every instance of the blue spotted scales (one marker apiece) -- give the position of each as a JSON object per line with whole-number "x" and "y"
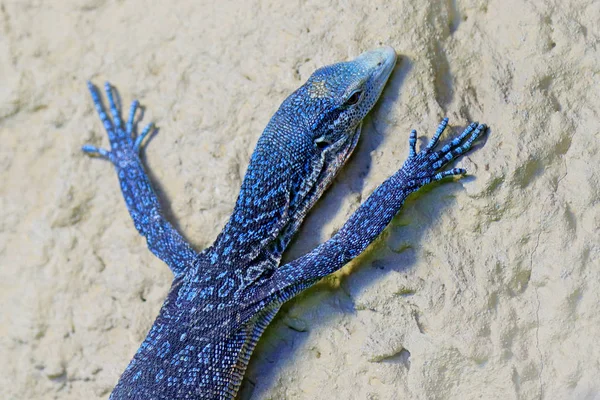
{"x": 222, "y": 298}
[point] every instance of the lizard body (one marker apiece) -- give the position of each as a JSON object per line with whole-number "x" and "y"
{"x": 223, "y": 298}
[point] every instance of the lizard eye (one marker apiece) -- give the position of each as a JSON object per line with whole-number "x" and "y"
{"x": 354, "y": 98}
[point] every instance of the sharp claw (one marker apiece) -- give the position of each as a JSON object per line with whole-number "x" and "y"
{"x": 134, "y": 106}
{"x": 108, "y": 126}
{"x": 480, "y": 129}
{"x": 88, "y": 148}
{"x": 93, "y": 150}
{"x": 436, "y": 137}
{"x": 114, "y": 110}
{"x": 450, "y": 172}
{"x": 138, "y": 142}
{"x": 412, "y": 141}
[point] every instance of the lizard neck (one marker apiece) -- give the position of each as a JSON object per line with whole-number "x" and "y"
{"x": 282, "y": 170}
{"x": 286, "y": 176}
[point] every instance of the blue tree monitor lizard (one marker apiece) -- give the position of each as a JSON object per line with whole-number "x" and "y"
{"x": 222, "y": 298}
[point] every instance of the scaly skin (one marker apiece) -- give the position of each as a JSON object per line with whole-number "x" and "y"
{"x": 222, "y": 298}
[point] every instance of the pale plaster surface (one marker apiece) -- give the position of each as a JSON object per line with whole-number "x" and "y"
{"x": 483, "y": 288}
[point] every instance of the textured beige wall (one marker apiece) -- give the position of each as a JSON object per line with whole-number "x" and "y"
{"x": 487, "y": 287}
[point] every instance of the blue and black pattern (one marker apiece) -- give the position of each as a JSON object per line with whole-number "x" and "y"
{"x": 223, "y": 298}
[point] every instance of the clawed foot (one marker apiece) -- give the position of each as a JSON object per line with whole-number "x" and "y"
{"x": 121, "y": 139}
{"x": 422, "y": 168}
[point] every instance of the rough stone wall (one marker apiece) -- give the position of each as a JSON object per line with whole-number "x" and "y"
{"x": 486, "y": 287}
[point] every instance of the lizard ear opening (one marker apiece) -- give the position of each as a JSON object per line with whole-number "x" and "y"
{"x": 321, "y": 143}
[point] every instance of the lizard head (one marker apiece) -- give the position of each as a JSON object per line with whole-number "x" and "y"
{"x": 303, "y": 147}
{"x": 329, "y": 109}
{"x": 342, "y": 94}
{"x": 335, "y": 100}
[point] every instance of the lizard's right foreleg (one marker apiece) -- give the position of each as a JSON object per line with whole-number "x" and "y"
{"x": 369, "y": 220}
{"x": 141, "y": 200}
